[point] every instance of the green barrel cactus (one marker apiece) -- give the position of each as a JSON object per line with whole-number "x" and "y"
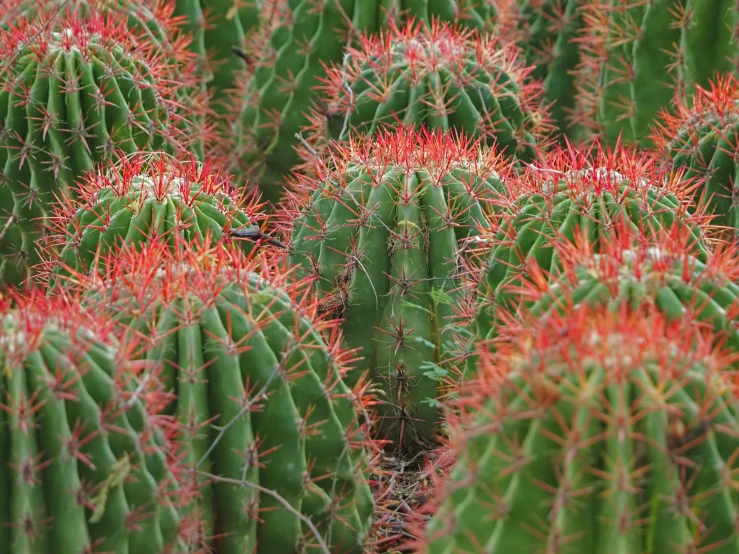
{"x": 589, "y": 191}
{"x": 146, "y": 197}
{"x": 596, "y": 431}
{"x": 287, "y": 59}
{"x": 76, "y": 91}
{"x": 667, "y": 268}
{"x": 437, "y": 76}
{"x": 85, "y": 465}
{"x": 273, "y": 437}
{"x": 702, "y": 137}
{"x": 547, "y": 31}
{"x": 636, "y": 55}
{"x": 383, "y": 229}
{"x": 217, "y": 27}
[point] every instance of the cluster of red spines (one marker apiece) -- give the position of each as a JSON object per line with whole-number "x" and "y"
{"x": 435, "y": 152}
{"x": 659, "y": 254}
{"x": 716, "y": 107}
{"x": 169, "y": 177}
{"x": 596, "y": 169}
{"x": 159, "y": 13}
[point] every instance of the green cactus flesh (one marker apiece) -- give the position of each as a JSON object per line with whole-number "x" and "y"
{"x": 637, "y": 55}
{"x": 596, "y": 432}
{"x": 382, "y": 232}
{"x": 147, "y": 197}
{"x": 272, "y": 434}
{"x": 296, "y": 41}
{"x": 547, "y": 32}
{"x": 590, "y": 192}
{"x": 84, "y": 466}
{"x": 75, "y": 92}
{"x": 217, "y": 27}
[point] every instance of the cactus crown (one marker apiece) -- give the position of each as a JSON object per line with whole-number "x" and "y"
{"x": 711, "y": 109}
{"x": 437, "y": 75}
{"x": 104, "y": 42}
{"x": 583, "y": 175}
{"x": 662, "y": 267}
{"x": 145, "y": 197}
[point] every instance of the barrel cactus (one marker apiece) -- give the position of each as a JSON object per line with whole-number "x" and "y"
{"x": 75, "y": 91}
{"x": 637, "y": 55}
{"x": 635, "y": 268}
{"x": 702, "y": 136}
{"x": 592, "y": 191}
{"x": 273, "y": 437}
{"x": 217, "y": 27}
{"x": 437, "y": 76}
{"x": 286, "y": 60}
{"x": 382, "y": 230}
{"x": 547, "y": 31}
{"x": 146, "y": 197}
{"x": 85, "y": 464}
{"x": 596, "y": 431}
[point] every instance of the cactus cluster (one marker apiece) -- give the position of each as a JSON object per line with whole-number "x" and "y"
{"x": 596, "y": 431}
{"x": 383, "y": 228}
{"x": 272, "y": 436}
{"x": 84, "y": 464}
{"x": 591, "y": 191}
{"x": 487, "y": 234}
{"x": 74, "y": 91}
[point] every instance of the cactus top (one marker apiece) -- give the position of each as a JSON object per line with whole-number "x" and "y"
{"x": 712, "y": 110}
{"x": 439, "y": 76}
{"x": 589, "y": 191}
{"x": 581, "y": 422}
{"x": 146, "y": 197}
{"x": 662, "y": 267}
